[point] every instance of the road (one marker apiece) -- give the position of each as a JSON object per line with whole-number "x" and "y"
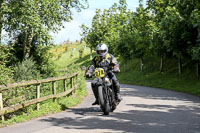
{"x": 143, "y": 110}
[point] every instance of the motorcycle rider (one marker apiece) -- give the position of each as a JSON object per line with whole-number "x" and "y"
{"x": 104, "y": 59}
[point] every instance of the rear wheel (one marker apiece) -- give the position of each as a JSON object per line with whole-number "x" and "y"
{"x": 103, "y": 100}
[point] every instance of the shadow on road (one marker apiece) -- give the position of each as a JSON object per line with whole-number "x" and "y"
{"x": 130, "y": 121}
{"x": 174, "y": 113}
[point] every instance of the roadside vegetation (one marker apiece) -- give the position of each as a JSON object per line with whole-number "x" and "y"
{"x": 62, "y": 66}
{"x": 131, "y": 73}
{"x": 27, "y": 52}
{"x": 158, "y": 44}
{"x": 169, "y": 79}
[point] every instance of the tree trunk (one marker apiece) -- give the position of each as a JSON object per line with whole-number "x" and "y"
{"x": 198, "y": 69}
{"x": 141, "y": 64}
{"x": 161, "y": 64}
{"x": 1, "y": 23}
{"x": 180, "y": 66}
{"x": 28, "y": 37}
{"x": 125, "y": 62}
{"x": 25, "y": 44}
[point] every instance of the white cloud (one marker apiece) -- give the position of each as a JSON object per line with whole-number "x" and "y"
{"x": 87, "y": 14}
{"x": 71, "y": 31}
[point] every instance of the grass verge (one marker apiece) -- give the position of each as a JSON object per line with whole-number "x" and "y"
{"x": 186, "y": 82}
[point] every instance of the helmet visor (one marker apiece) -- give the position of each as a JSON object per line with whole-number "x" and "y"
{"x": 101, "y": 52}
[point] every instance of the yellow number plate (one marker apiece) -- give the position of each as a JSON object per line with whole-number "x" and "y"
{"x": 99, "y": 72}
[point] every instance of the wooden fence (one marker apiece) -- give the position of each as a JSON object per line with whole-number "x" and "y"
{"x": 38, "y": 99}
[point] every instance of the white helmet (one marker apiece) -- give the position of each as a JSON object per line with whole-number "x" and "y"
{"x": 101, "y": 49}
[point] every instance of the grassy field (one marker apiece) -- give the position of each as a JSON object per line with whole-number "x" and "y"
{"x": 72, "y": 58}
{"x": 170, "y": 79}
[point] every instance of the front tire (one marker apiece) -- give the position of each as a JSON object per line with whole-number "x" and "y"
{"x": 103, "y": 100}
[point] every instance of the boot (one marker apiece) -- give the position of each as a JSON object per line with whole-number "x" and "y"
{"x": 117, "y": 92}
{"x": 118, "y": 97}
{"x": 96, "y": 102}
{"x": 94, "y": 89}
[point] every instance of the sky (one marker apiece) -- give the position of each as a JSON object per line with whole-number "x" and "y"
{"x": 72, "y": 29}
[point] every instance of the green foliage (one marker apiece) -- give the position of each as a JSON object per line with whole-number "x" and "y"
{"x": 26, "y": 70}
{"x": 165, "y": 28}
{"x": 49, "y": 107}
{"x": 5, "y": 71}
{"x": 5, "y": 74}
{"x": 43, "y": 61}
{"x": 121, "y": 30}
{"x": 29, "y": 22}
{"x": 70, "y": 63}
{"x": 81, "y": 51}
{"x": 39, "y": 53}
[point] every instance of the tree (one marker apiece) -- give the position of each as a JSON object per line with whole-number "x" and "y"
{"x": 37, "y": 17}
{"x": 194, "y": 50}
{"x": 141, "y": 26}
{"x": 96, "y": 34}
{"x": 90, "y": 37}
{"x": 174, "y": 31}
{"x": 158, "y": 42}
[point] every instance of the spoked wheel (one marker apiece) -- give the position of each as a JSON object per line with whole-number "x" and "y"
{"x": 103, "y": 100}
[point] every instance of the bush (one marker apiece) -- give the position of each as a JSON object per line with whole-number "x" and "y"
{"x": 43, "y": 61}
{"x": 26, "y": 70}
{"x": 39, "y": 53}
{"x": 5, "y": 74}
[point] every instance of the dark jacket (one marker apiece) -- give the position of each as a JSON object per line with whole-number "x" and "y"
{"x": 107, "y": 61}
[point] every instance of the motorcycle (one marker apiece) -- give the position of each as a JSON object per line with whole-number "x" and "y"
{"x": 106, "y": 95}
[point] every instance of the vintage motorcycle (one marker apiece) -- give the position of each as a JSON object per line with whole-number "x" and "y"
{"x": 106, "y": 93}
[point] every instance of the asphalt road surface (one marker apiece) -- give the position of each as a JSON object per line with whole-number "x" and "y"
{"x": 143, "y": 110}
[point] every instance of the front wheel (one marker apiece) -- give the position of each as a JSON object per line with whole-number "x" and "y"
{"x": 103, "y": 100}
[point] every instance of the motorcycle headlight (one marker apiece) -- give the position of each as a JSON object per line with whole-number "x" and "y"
{"x": 107, "y": 80}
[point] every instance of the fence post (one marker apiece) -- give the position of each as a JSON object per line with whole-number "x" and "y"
{"x": 38, "y": 96}
{"x": 65, "y": 85}
{"x": 54, "y": 89}
{"x": 72, "y": 84}
{"x": 1, "y": 106}
{"x": 76, "y": 81}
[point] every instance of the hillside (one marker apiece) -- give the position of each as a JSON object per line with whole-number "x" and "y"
{"x": 150, "y": 76}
